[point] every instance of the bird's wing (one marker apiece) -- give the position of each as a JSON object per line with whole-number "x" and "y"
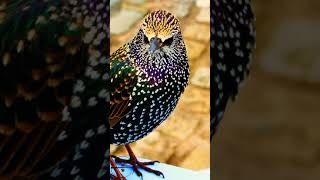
{"x": 232, "y": 40}
{"x": 43, "y": 54}
{"x": 123, "y": 79}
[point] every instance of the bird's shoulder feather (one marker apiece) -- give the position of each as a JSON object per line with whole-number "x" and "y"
{"x": 124, "y": 77}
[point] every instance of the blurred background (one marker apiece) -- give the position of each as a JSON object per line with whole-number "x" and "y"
{"x": 272, "y": 131}
{"x": 183, "y": 140}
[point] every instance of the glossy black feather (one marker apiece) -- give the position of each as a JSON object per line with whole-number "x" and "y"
{"x": 232, "y": 41}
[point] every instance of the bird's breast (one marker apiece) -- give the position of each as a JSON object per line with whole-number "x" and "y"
{"x": 150, "y": 106}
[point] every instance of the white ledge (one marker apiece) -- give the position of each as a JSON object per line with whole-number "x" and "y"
{"x": 170, "y": 172}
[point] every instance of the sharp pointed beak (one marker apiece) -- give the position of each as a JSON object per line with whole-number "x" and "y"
{"x": 155, "y": 44}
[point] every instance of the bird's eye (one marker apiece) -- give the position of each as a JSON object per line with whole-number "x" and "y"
{"x": 145, "y": 39}
{"x": 168, "y": 41}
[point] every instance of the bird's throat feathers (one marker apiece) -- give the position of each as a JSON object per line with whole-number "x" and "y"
{"x": 158, "y": 67}
{"x": 162, "y": 73}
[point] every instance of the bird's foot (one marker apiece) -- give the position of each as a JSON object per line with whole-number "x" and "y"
{"x": 136, "y": 164}
{"x": 118, "y": 176}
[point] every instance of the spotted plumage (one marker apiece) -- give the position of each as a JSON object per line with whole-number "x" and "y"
{"x": 232, "y": 41}
{"x": 148, "y": 75}
{"x": 53, "y": 71}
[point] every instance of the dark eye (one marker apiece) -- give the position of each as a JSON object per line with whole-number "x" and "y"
{"x": 168, "y": 41}
{"x": 145, "y": 39}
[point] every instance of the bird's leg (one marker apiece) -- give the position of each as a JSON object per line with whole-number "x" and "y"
{"x": 136, "y": 163}
{"x": 118, "y": 176}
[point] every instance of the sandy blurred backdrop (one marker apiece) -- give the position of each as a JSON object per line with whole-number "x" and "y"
{"x": 183, "y": 140}
{"x": 273, "y": 129}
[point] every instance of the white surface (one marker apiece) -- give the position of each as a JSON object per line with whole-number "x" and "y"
{"x": 170, "y": 172}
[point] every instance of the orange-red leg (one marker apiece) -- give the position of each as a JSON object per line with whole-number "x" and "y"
{"x": 118, "y": 176}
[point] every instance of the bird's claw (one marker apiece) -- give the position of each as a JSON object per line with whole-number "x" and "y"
{"x": 137, "y": 164}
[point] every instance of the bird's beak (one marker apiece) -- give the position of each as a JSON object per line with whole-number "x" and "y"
{"x": 155, "y": 44}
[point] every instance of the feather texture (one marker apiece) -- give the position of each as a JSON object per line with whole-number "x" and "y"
{"x": 232, "y": 41}
{"x": 54, "y": 71}
{"x": 148, "y": 75}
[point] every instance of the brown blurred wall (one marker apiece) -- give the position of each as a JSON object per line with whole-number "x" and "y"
{"x": 272, "y": 131}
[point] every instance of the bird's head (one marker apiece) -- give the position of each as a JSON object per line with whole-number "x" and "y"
{"x": 159, "y": 28}
{"x": 159, "y": 39}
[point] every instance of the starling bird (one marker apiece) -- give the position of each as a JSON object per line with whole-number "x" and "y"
{"x": 148, "y": 75}
{"x": 53, "y": 73}
{"x": 232, "y": 40}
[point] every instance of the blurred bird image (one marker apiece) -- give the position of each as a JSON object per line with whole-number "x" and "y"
{"x": 54, "y": 73}
{"x": 148, "y": 76}
{"x": 232, "y": 41}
